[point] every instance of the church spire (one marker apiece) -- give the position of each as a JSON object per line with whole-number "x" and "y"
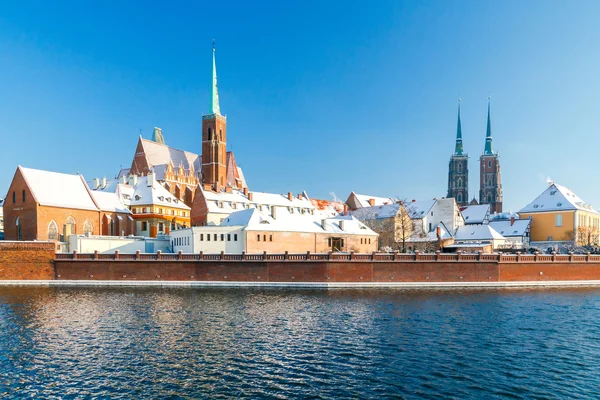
{"x": 488, "y": 134}
{"x": 458, "y": 150}
{"x": 214, "y": 96}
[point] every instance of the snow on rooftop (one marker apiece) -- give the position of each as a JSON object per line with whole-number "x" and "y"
{"x": 476, "y": 232}
{"x": 363, "y": 199}
{"x": 418, "y": 209}
{"x": 504, "y": 227}
{"x": 58, "y": 190}
{"x": 476, "y": 214}
{"x": 557, "y": 198}
{"x": 109, "y": 202}
{"x": 161, "y": 154}
{"x": 376, "y": 212}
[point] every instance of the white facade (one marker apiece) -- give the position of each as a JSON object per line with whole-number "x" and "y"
{"x": 427, "y": 215}
{"x": 209, "y": 239}
{"x": 479, "y": 234}
{"x": 516, "y": 231}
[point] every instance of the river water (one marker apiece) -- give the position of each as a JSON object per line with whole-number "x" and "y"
{"x": 257, "y": 343}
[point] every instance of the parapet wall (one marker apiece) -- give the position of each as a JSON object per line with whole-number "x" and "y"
{"x": 27, "y": 260}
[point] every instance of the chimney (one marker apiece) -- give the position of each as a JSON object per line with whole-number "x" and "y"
{"x": 299, "y": 196}
{"x": 274, "y": 212}
{"x": 217, "y": 187}
{"x": 414, "y": 201}
{"x": 150, "y": 178}
{"x": 342, "y": 225}
{"x": 133, "y": 180}
{"x": 512, "y": 221}
{"x": 439, "y": 232}
{"x": 324, "y": 224}
{"x": 103, "y": 183}
{"x": 246, "y": 191}
{"x": 371, "y": 202}
{"x": 345, "y": 209}
{"x": 96, "y": 183}
{"x": 290, "y": 196}
{"x": 250, "y": 196}
{"x": 207, "y": 186}
{"x": 228, "y": 189}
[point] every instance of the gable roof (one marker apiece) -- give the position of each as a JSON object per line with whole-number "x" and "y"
{"x": 161, "y": 154}
{"x": 476, "y": 214}
{"x": 109, "y": 202}
{"x": 226, "y": 203}
{"x": 476, "y": 233}
{"x": 518, "y": 228}
{"x": 419, "y": 209}
{"x": 376, "y": 212}
{"x": 362, "y": 200}
{"x": 557, "y": 198}
{"x": 58, "y": 190}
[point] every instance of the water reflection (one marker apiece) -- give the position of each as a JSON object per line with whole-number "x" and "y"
{"x": 156, "y": 343}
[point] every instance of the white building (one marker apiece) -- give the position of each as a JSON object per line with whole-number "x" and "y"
{"x": 476, "y": 214}
{"x": 356, "y": 201}
{"x": 479, "y": 234}
{"x": 427, "y": 215}
{"x": 516, "y": 231}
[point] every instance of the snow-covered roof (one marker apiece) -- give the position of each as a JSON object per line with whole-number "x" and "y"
{"x": 506, "y": 215}
{"x": 432, "y": 236}
{"x": 255, "y": 220}
{"x": 504, "y": 227}
{"x": 58, "y": 190}
{"x": 476, "y": 233}
{"x": 227, "y": 203}
{"x": 109, "y": 202}
{"x": 376, "y": 212}
{"x": 418, "y": 209}
{"x": 329, "y": 208}
{"x": 363, "y": 200}
{"x": 242, "y": 177}
{"x": 557, "y": 198}
{"x": 161, "y": 154}
{"x": 476, "y": 214}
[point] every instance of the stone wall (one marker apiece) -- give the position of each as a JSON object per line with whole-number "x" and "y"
{"x": 27, "y": 260}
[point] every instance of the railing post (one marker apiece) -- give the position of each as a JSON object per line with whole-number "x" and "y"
{"x": 308, "y": 255}
{"x": 372, "y": 256}
{"x": 395, "y": 254}
{"x": 518, "y": 256}
{"x": 553, "y": 256}
{"x": 179, "y": 255}
{"x": 535, "y": 256}
{"x": 158, "y": 255}
{"x": 116, "y": 254}
{"x": 570, "y": 256}
{"x": 437, "y": 255}
{"x": 459, "y": 255}
{"x": 201, "y": 255}
{"x": 222, "y": 255}
{"x": 587, "y": 257}
{"x": 137, "y": 254}
{"x": 95, "y": 254}
{"x": 417, "y": 252}
{"x": 74, "y": 254}
{"x": 479, "y": 253}
{"x": 285, "y": 255}
{"x": 265, "y": 255}
{"x": 352, "y": 254}
{"x": 329, "y": 255}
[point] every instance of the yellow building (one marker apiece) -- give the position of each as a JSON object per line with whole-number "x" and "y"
{"x": 559, "y": 215}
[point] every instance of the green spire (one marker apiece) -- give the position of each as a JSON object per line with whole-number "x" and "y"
{"x": 458, "y": 150}
{"x": 157, "y": 136}
{"x": 488, "y": 134}
{"x": 214, "y": 96}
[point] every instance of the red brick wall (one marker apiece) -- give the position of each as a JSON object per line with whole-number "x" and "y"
{"x": 26, "y": 260}
{"x": 25, "y": 211}
{"x": 549, "y": 271}
{"x": 199, "y": 209}
{"x": 60, "y": 215}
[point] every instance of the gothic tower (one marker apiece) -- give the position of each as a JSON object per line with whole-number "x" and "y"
{"x": 458, "y": 170}
{"x": 214, "y": 138}
{"x": 490, "y": 183}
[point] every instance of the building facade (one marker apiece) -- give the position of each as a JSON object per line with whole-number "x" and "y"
{"x": 458, "y": 170}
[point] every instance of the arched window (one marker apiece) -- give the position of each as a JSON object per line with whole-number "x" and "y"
{"x": 14, "y": 197}
{"x": 87, "y": 227}
{"x": 23, "y": 195}
{"x": 490, "y": 182}
{"x": 459, "y": 183}
{"x": 209, "y": 134}
{"x": 52, "y": 231}
{"x": 18, "y": 226}
{"x": 459, "y": 198}
{"x": 459, "y": 167}
{"x": 489, "y": 164}
{"x": 489, "y": 197}
{"x": 70, "y": 225}
{"x": 558, "y": 219}
{"x": 220, "y": 134}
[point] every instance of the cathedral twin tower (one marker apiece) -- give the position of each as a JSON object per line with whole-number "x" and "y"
{"x": 490, "y": 185}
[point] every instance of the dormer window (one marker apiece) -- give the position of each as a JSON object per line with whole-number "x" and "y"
{"x": 168, "y": 199}
{"x": 137, "y": 197}
{"x": 161, "y": 198}
{"x": 558, "y": 204}
{"x": 175, "y": 201}
{"x": 535, "y": 206}
{"x": 552, "y": 193}
{"x": 220, "y": 204}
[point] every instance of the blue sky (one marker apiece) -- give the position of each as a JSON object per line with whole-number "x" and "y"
{"x": 319, "y": 96}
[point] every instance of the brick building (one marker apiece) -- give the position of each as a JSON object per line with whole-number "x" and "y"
{"x": 44, "y": 205}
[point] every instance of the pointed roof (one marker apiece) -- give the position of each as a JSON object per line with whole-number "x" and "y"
{"x": 157, "y": 136}
{"x": 214, "y": 95}
{"x": 557, "y": 198}
{"x": 160, "y": 154}
{"x": 488, "y": 134}
{"x": 458, "y": 149}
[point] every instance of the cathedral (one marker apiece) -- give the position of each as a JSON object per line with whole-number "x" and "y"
{"x": 179, "y": 171}
{"x": 490, "y": 184}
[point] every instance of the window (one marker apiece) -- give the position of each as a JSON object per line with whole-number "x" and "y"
{"x": 459, "y": 183}
{"x": 52, "y": 231}
{"x": 202, "y": 237}
{"x": 222, "y": 237}
{"x": 208, "y": 237}
{"x": 550, "y": 239}
{"x": 258, "y": 238}
{"x": 489, "y": 164}
{"x": 558, "y": 219}
{"x": 215, "y": 237}
{"x": 432, "y": 213}
{"x": 361, "y": 240}
{"x": 489, "y": 196}
{"x": 430, "y": 227}
{"x": 264, "y": 238}
{"x": 229, "y": 237}
{"x": 87, "y": 227}
{"x": 369, "y": 240}
{"x": 459, "y": 167}
{"x": 14, "y": 197}
{"x": 161, "y": 226}
{"x": 144, "y": 226}
{"x": 23, "y": 195}
{"x": 270, "y": 238}
{"x": 329, "y": 242}
{"x": 18, "y": 226}
{"x": 209, "y": 134}
{"x": 71, "y": 224}
{"x": 235, "y": 237}
{"x": 459, "y": 198}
